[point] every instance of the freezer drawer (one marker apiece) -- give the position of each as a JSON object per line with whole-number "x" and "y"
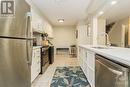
{"x": 15, "y": 70}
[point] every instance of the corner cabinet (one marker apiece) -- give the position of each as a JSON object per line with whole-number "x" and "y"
{"x": 36, "y": 63}
{"x": 87, "y": 63}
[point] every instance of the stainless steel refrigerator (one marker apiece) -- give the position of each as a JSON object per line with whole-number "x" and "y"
{"x": 16, "y": 48}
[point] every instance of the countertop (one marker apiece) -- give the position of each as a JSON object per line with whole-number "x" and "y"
{"x": 36, "y": 47}
{"x": 118, "y": 54}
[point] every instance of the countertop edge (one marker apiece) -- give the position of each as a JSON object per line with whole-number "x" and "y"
{"x": 111, "y": 57}
{"x": 36, "y": 47}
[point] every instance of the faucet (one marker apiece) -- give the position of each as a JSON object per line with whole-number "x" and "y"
{"x": 107, "y": 39}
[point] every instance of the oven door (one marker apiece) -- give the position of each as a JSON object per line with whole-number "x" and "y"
{"x": 45, "y": 58}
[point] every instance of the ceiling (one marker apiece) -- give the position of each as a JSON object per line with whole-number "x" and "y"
{"x": 69, "y": 10}
{"x": 116, "y": 12}
{"x": 74, "y": 10}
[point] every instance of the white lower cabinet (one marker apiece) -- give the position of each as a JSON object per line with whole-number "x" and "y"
{"x": 91, "y": 77}
{"x": 36, "y": 63}
{"x": 87, "y": 63}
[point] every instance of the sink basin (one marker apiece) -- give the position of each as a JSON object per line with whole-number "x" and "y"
{"x": 101, "y": 47}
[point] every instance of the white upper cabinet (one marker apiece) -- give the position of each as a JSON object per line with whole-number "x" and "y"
{"x": 37, "y": 24}
{"x": 48, "y": 29}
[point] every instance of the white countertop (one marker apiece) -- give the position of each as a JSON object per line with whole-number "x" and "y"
{"x": 36, "y": 47}
{"x": 119, "y": 54}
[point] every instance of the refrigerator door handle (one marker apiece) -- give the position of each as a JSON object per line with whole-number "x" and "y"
{"x": 28, "y": 19}
{"x": 29, "y": 51}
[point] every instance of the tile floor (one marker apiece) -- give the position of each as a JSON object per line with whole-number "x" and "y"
{"x": 60, "y": 60}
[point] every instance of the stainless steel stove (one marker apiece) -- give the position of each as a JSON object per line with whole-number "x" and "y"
{"x": 44, "y": 58}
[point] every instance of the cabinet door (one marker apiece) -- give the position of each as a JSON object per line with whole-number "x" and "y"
{"x": 37, "y": 24}
{"x": 91, "y": 59}
{"x": 34, "y": 20}
{"x": 48, "y": 29}
{"x": 91, "y": 77}
{"x": 87, "y": 63}
{"x": 35, "y": 68}
{"x": 33, "y": 57}
{"x": 91, "y": 67}
{"x": 80, "y": 56}
{"x": 38, "y": 59}
{"x": 33, "y": 73}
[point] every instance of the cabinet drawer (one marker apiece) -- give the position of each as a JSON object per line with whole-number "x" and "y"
{"x": 85, "y": 68}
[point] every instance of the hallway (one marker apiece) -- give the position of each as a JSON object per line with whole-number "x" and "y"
{"x": 60, "y": 61}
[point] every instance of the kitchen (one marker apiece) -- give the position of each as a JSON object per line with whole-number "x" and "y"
{"x": 64, "y": 43}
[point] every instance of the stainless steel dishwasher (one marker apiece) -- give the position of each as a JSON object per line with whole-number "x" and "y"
{"x": 110, "y": 74}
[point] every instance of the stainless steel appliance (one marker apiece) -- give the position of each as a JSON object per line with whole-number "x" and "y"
{"x": 51, "y": 54}
{"x": 110, "y": 74}
{"x": 44, "y": 58}
{"x": 16, "y": 48}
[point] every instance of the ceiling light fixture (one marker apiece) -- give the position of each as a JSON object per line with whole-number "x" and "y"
{"x": 113, "y": 2}
{"x": 101, "y": 12}
{"x": 61, "y": 20}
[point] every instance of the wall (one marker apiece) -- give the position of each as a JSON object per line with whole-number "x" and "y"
{"x": 101, "y": 29}
{"x": 129, "y": 32}
{"x": 116, "y": 34}
{"x": 89, "y": 31}
{"x": 64, "y": 36}
{"x": 92, "y": 21}
{"x": 83, "y": 38}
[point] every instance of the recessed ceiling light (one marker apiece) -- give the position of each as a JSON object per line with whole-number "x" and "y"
{"x": 113, "y": 2}
{"x": 101, "y": 12}
{"x": 61, "y": 20}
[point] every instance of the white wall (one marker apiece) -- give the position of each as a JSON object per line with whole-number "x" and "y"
{"x": 89, "y": 31}
{"x": 64, "y": 36}
{"x": 83, "y": 38}
{"x": 116, "y": 33}
{"x": 129, "y": 32}
{"x": 101, "y": 29}
{"x": 94, "y": 32}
